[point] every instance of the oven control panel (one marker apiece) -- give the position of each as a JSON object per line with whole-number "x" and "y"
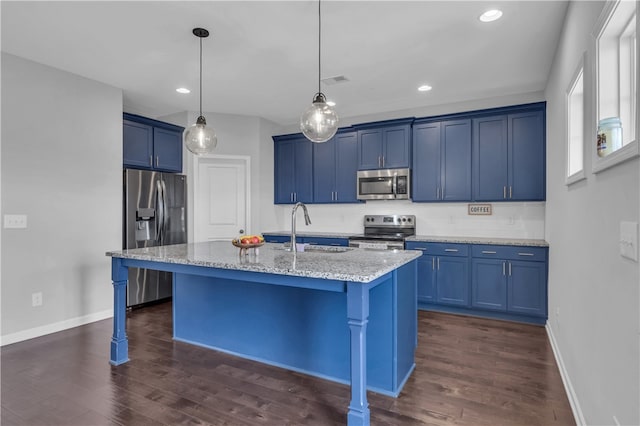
{"x": 394, "y": 220}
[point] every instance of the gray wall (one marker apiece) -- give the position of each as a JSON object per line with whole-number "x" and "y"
{"x": 62, "y": 167}
{"x": 593, "y": 291}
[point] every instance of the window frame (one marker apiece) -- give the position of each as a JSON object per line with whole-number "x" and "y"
{"x": 578, "y": 74}
{"x": 631, "y": 149}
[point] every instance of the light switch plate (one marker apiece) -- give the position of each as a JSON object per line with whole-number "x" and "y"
{"x": 629, "y": 240}
{"x": 15, "y": 220}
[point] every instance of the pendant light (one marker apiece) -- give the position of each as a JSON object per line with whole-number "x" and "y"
{"x": 199, "y": 138}
{"x": 319, "y": 122}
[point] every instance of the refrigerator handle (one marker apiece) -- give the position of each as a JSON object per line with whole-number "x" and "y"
{"x": 160, "y": 213}
{"x": 165, "y": 215}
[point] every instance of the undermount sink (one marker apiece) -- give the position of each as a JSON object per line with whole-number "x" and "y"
{"x": 319, "y": 249}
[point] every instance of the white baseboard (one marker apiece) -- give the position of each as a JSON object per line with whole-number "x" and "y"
{"x": 54, "y": 328}
{"x": 568, "y": 387}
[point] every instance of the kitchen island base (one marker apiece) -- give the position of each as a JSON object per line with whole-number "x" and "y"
{"x": 349, "y": 317}
{"x": 302, "y": 329}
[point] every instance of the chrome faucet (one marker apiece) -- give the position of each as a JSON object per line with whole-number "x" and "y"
{"x": 307, "y": 221}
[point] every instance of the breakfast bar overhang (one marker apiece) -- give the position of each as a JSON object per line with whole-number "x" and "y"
{"x": 344, "y": 314}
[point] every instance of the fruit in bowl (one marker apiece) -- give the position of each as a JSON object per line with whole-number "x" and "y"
{"x": 248, "y": 241}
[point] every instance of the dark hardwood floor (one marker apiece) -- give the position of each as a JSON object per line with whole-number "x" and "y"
{"x": 469, "y": 371}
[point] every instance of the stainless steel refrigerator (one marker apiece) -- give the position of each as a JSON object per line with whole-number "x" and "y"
{"x": 155, "y": 214}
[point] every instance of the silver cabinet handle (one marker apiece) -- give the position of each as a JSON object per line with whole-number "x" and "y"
{"x": 488, "y": 252}
{"x": 509, "y": 268}
{"x": 525, "y": 254}
{"x": 336, "y": 199}
{"x": 433, "y": 263}
{"x": 438, "y": 264}
{"x": 419, "y": 248}
{"x": 157, "y": 160}
{"x": 451, "y": 250}
{"x": 504, "y": 192}
{"x": 510, "y": 192}
{"x": 503, "y": 268}
{"x": 151, "y": 160}
{"x": 437, "y": 193}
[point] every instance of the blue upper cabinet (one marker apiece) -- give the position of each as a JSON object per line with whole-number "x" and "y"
{"x": 335, "y": 164}
{"x": 293, "y": 169}
{"x": 442, "y": 161}
{"x": 151, "y": 144}
{"x": 509, "y": 156}
{"x": 384, "y": 145}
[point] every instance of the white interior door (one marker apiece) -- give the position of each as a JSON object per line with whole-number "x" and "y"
{"x": 221, "y": 204}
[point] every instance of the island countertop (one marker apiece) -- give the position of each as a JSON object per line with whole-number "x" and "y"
{"x": 331, "y": 263}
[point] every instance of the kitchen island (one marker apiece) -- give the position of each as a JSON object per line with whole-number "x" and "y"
{"x": 344, "y": 314}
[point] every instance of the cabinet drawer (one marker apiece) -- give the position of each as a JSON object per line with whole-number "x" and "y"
{"x": 276, "y": 238}
{"x": 439, "y": 249}
{"x": 538, "y": 254}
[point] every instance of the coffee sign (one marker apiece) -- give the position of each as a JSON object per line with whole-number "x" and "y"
{"x": 480, "y": 209}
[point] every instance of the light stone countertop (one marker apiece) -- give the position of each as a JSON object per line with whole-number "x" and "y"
{"x": 481, "y": 240}
{"x": 354, "y": 264}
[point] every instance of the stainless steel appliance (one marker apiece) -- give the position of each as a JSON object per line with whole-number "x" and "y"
{"x": 384, "y": 184}
{"x": 385, "y": 232}
{"x": 155, "y": 214}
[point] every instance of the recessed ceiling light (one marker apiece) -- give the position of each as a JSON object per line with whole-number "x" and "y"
{"x": 183, "y": 90}
{"x": 425, "y": 88}
{"x": 331, "y": 103}
{"x": 490, "y": 15}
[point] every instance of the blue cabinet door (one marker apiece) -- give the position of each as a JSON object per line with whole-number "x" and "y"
{"x": 293, "y": 170}
{"x": 489, "y": 284}
{"x": 455, "y": 161}
{"x": 346, "y": 160}
{"x": 490, "y": 164}
{"x": 369, "y": 149}
{"x": 426, "y": 279}
{"x": 167, "y": 150}
{"x": 527, "y": 156}
{"x": 425, "y": 180}
{"x": 527, "y": 289}
{"x": 324, "y": 171}
{"x": 452, "y": 280}
{"x": 137, "y": 145}
{"x": 284, "y": 172}
{"x": 335, "y": 167}
{"x": 396, "y": 151}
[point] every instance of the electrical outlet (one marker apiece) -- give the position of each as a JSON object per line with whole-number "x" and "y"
{"x": 615, "y": 421}
{"x": 629, "y": 240}
{"x": 36, "y": 299}
{"x": 15, "y": 221}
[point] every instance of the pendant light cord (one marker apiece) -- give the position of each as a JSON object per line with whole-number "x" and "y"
{"x": 319, "y": 45}
{"x": 200, "y": 76}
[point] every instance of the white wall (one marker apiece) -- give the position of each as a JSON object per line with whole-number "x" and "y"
{"x": 593, "y": 292}
{"x": 62, "y": 167}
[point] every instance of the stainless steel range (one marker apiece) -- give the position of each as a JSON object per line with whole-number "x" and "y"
{"x": 385, "y": 232}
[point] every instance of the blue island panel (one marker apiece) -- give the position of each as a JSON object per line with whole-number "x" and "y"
{"x": 299, "y": 328}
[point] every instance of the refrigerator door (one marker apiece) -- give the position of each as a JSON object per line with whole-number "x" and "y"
{"x": 174, "y": 188}
{"x": 143, "y": 216}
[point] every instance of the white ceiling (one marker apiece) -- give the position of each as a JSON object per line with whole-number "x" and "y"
{"x": 261, "y": 57}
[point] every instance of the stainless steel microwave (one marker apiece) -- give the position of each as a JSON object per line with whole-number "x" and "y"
{"x": 384, "y": 184}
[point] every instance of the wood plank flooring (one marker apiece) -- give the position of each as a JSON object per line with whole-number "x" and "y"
{"x": 469, "y": 371}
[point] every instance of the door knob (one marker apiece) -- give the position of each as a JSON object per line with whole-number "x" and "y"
{"x": 242, "y": 231}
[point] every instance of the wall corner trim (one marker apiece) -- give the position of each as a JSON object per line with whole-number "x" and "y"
{"x": 568, "y": 387}
{"x": 54, "y": 328}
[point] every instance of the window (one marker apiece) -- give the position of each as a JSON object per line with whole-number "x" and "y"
{"x": 615, "y": 112}
{"x": 575, "y": 126}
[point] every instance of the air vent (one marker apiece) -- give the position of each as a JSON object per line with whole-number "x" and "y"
{"x": 335, "y": 80}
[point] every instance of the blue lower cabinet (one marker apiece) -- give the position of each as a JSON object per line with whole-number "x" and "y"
{"x": 527, "y": 288}
{"x": 505, "y": 282}
{"x": 426, "y": 279}
{"x": 452, "y": 277}
{"x": 268, "y": 238}
{"x": 489, "y": 284}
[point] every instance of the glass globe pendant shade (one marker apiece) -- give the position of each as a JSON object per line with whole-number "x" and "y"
{"x": 199, "y": 138}
{"x": 319, "y": 122}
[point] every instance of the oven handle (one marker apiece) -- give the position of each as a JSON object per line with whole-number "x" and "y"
{"x": 394, "y": 186}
